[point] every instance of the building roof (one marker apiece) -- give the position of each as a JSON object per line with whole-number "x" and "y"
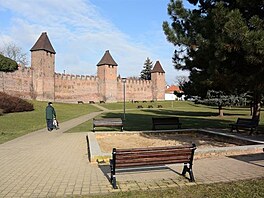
{"x": 107, "y": 59}
{"x": 173, "y": 88}
{"x": 43, "y": 43}
{"x": 157, "y": 68}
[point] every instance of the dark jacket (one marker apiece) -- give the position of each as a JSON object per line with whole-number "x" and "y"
{"x": 50, "y": 113}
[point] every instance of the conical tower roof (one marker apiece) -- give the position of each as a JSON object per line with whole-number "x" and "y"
{"x": 107, "y": 59}
{"x": 43, "y": 43}
{"x": 157, "y": 68}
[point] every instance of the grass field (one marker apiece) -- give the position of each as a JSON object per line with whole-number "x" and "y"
{"x": 238, "y": 189}
{"x": 191, "y": 115}
{"x": 17, "y": 124}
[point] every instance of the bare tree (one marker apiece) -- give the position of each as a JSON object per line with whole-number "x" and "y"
{"x": 14, "y": 52}
{"x": 180, "y": 80}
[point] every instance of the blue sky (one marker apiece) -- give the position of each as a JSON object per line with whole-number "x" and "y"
{"x": 82, "y": 30}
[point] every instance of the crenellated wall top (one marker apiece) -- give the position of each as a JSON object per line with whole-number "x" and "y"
{"x": 134, "y": 80}
{"x": 75, "y": 77}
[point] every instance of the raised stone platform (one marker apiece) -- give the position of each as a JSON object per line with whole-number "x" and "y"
{"x": 251, "y": 146}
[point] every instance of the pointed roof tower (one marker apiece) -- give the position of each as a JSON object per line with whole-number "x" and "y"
{"x": 43, "y": 43}
{"x": 107, "y": 59}
{"x": 157, "y": 68}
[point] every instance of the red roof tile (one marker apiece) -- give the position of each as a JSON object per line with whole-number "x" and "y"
{"x": 173, "y": 88}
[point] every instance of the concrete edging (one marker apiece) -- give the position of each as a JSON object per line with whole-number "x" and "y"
{"x": 96, "y": 155}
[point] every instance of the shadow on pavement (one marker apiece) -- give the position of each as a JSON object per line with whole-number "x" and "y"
{"x": 255, "y": 159}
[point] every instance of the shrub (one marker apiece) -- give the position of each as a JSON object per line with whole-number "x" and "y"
{"x": 1, "y": 112}
{"x": 7, "y": 64}
{"x": 11, "y": 104}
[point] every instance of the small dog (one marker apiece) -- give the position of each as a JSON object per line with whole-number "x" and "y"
{"x": 55, "y": 124}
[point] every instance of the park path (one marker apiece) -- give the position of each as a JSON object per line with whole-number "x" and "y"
{"x": 50, "y": 164}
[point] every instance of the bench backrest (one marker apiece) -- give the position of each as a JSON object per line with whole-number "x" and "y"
{"x": 109, "y": 121}
{"x": 169, "y": 120}
{"x": 251, "y": 122}
{"x": 153, "y": 156}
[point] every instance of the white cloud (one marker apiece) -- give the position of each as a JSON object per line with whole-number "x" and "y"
{"x": 80, "y": 36}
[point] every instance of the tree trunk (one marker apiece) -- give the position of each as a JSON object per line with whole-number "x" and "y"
{"x": 221, "y": 111}
{"x": 256, "y": 106}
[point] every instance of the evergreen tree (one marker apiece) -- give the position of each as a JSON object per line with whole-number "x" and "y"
{"x": 221, "y": 44}
{"x": 7, "y": 64}
{"x": 146, "y": 72}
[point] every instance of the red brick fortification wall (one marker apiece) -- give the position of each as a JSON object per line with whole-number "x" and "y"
{"x": 73, "y": 88}
{"x": 17, "y": 83}
{"x": 158, "y": 85}
{"x": 135, "y": 90}
{"x": 43, "y": 66}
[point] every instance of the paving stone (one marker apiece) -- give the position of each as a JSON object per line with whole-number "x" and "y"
{"x": 42, "y": 164}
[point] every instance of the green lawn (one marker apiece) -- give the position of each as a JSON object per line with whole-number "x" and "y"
{"x": 238, "y": 189}
{"x": 17, "y": 124}
{"x": 191, "y": 115}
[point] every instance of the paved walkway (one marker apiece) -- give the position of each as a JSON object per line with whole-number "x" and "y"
{"x": 49, "y": 164}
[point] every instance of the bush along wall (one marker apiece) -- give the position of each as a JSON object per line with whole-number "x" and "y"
{"x": 10, "y": 104}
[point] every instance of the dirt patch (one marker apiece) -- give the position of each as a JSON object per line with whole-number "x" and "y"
{"x": 137, "y": 140}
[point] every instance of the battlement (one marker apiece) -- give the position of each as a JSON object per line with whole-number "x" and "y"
{"x": 75, "y": 77}
{"x": 24, "y": 71}
{"x": 136, "y": 81}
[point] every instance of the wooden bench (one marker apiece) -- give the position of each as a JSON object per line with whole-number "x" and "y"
{"x": 139, "y": 106}
{"x": 150, "y": 157}
{"x": 80, "y": 102}
{"x": 251, "y": 124}
{"x": 165, "y": 121}
{"x": 91, "y": 102}
{"x": 108, "y": 122}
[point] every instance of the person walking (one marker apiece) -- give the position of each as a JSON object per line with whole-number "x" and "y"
{"x": 50, "y": 115}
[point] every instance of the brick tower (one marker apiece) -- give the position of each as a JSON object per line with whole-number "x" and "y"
{"x": 43, "y": 66}
{"x": 107, "y": 74}
{"x": 158, "y": 82}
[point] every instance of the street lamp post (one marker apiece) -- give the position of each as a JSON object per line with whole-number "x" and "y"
{"x": 124, "y": 97}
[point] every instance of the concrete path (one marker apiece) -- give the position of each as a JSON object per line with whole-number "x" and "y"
{"x": 50, "y": 164}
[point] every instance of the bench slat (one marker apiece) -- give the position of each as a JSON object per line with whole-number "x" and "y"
{"x": 154, "y": 148}
{"x": 166, "y": 121}
{"x": 157, "y": 158}
{"x": 152, "y": 156}
{"x": 252, "y": 124}
{"x": 108, "y": 122}
{"x": 151, "y": 163}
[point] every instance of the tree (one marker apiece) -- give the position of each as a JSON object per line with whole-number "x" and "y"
{"x": 146, "y": 72}
{"x": 7, "y": 64}
{"x": 221, "y": 44}
{"x": 15, "y": 53}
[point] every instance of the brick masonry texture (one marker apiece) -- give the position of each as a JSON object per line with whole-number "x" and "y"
{"x": 40, "y": 82}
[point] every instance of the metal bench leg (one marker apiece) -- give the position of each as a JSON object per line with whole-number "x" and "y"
{"x": 191, "y": 175}
{"x": 113, "y": 177}
{"x": 112, "y": 166}
{"x": 185, "y": 168}
{"x": 189, "y": 170}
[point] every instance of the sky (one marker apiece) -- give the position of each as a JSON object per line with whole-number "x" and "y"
{"x": 82, "y": 30}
